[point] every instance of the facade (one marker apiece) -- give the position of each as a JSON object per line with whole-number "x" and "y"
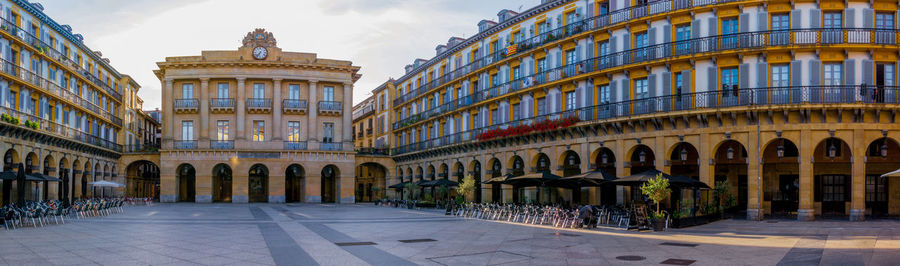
{"x": 257, "y": 124}
{"x": 791, "y": 104}
{"x": 62, "y": 107}
{"x": 373, "y": 138}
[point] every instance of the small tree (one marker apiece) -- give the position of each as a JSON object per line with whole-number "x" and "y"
{"x": 467, "y": 186}
{"x": 721, "y": 193}
{"x": 413, "y": 188}
{"x": 657, "y": 189}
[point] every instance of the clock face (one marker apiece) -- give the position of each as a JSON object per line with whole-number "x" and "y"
{"x": 260, "y": 52}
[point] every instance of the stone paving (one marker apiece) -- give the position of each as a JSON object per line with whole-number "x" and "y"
{"x": 309, "y": 234}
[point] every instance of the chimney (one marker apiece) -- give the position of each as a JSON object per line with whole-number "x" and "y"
{"x": 485, "y": 24}
{"x": 505, "y": 15}
{"x": 440, "y": 49}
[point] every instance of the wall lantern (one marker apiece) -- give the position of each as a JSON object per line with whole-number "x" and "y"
{"x": 604, "y": 158}
{"x": 832, "y": 151}
{"x": 642, "y": 157}
{"x": 780, "y": 150}
{"x": 684, "y": 154}
{"x": 729, "y": 153}
{"x": 884, "y": 150}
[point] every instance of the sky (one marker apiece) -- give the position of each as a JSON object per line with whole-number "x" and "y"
{"x": 381, "y": 36}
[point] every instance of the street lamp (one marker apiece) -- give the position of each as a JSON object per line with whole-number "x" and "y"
{"x": 780, "y": 150}
{"x": 642, "y": 157}
{"x": 884, "y": 149}
{"x": 604, "y": 158}
{"x": 684, "y": 154}
{"x": 729, "y": 153}
{"x": 832, "y": 151}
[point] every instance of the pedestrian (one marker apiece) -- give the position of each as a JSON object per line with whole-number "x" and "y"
{"x": 585, "y": 214}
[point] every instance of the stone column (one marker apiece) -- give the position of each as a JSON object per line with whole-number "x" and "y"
{"x": 168, "y": 111}
{"x": 276, "y": 185}
{"x": 203, "y": 187}
{"x": 858, "y": 176}
{"x": 240, "y": 186}
{"x": 806, "y": 212}
{"x": 204, "y": 111}
{"x": 754, "y": 178}
{"x": 276, "y": 114}
{"x": 619, "y": 150}
{"x": 241, "y": 99}
{"x": 312, "y": 123}
{"x": 347, "y": 114}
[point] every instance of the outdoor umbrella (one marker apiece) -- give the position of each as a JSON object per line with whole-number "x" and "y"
{"x": 104, "y": 183}
{"x": 892, "y": 174}
{"x": 443, "y": 182}
{"x": 533, "y": 179}
{"x": 40, "y": 177}
{"x": 20, "y": 184}
{"x": 642, "y": 177}
{"x": 588, "y": 179}
{"x": 8, "y": 175}
{"x": 498, "y": 180}
{"x": 400, "y": 185}
{"x": 421, "y": 183}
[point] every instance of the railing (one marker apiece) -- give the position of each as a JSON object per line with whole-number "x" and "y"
{"x": 836, "y": 94}
{"x": 44, "y": 48}
{"x": 293, "y": 104}
{"x": 295, "y": 145}
{"x": 141, "y": 148}
{"x": 330, "y": 146}
{"x": 187, "y": 103}
{"x": 259, "y": 103}
{"x": 184, "y": 144}
{"x": 712, "y": 44}
{"x": 373, "y": 151}
{"x": 60, "y": 130}
{"x": 221, "y": 144}
{"x": 367, "y": 110}
{"x": 221, "y": 102}
{"x": 330, "y": 106}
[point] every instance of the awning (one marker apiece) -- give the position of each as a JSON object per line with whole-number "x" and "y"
{"x": 675, "y": 181}
{"x": 588, "y": 179}
{"x": 441, "y": 182}
{"x": 104, "y": 183}
{"x": 533, "y": 179}
{"x": 498, "y": 180}
{"x": 8, "y": 175}
{"x": 400, "y": 185}
{"x": 892, "y": 174}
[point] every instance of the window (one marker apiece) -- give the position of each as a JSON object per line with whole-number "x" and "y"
{"x": 640, "y": 41}
{"x": 876, "y": 189}
{"x": 640, "y": 89}
{"x": 603, "y": 93}
{"x": 294, "y": 92}
{"x": 328, "y": 132}
{"x": 495, "y": 117}
{"x": 259, "y": 90}
{"x": 293, "y": 131}
{"x": 542, "y": 106}
{"x": 187, "y": 130}
{"x": 682, "y": 34}
{"x": 187, "y": 91}
{"x": 259, "y": 130}
{"x": 222, "y": 91}
{"x": 516, "y": 72}
{"x": 729, "y": 77}
{"x": 730, "y": 26}
{"x": 541, "y": 65}
{"x": 833, "y": 188}
{"x": 516, "y": 111}
{"x": 831, "y": 20}
{"x": 679, "y": 80}
{"x": 222, "y": 130}
{"x": 884, "y": 21}
{"x": 329, "y": 94}
{"x": 780, "y": 76}
{"x": 888, "y": 74}
{"x": 570, "y": 100}
{"x": 779, "y": 22}
{"x": 570, "y": 57}
{"x": 832, "y": 74}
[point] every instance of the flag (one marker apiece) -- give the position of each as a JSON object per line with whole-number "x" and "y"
{"x": 511, "y": 49}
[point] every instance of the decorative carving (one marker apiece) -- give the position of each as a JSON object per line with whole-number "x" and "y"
{"x": 259, "y": 37}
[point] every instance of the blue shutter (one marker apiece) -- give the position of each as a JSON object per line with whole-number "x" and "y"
{"x": 744, "y": 22}
{"x": 762, "y": 69}
{"x": 762, "y": 21}
{"x": 868, "y": 18}
{"x": 651, "y": 80}
{"x": 814, "y": 72}
{"x": 652, "y": 34}
{"x": 796, "y": 73}
{"x": 667, "y": 33}
{"x": 849, "y": 72}
{"x": 695, "y": 29}
{"x": 612, "y": 91}
{"x": 796, "y": 18}
{"x": 744, "y": 72}
{"x": 711, "y": 81}
{"x": 666, "y": 84}
{"x": 849, "y": 18}
{"x": 814, "y": 18}
{"x": 626, "y": 42}
{"x": 685, "y": 81}
{"x": 559, "y": 58}
{"x": 868, "y": 72}
{"x": 713, "y": 23}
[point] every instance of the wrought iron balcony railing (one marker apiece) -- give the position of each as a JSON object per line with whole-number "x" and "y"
{"x": 330, "y": 146}
{"x": 221, "y": 144}
{"x": 54, "y": 128}
{"x": 293, "y": 105}
{"x": 184, "y": 144}
{"x": 295, "y": 145}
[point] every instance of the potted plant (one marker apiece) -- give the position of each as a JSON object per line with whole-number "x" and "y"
{"x": 466, "y": 187}
{"x": 720, "y": 192}
{"x": 657, "y": 189}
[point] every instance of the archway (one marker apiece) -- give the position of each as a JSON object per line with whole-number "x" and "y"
{"x": 105, "y": 191}
{"x": 329, "y": 179}
{"x": 831, "y": 176}
{"x": 781, "y": 178}
{"x": 258, "y": 183}
{"x": 77, "y": 171}
{"x": 222, "y": 183}
{"x": 430, "y": 177}
{"x": 496, "y": 171}
{"x": 10, "y": 160}
{"x": 541, "y": 163}
{"x": 731, "y": 168}
{"x": 571, "y": 165}
{"x": 460, "y": 172}
{"x": 517, "y": 169}
{"x": 642, "y": 159}
{"x": 370, "y": 181}
{"x": 605, "y": 161}
{"x": 476, "y": 174}
{"x": 142, "y": 180}
{"x": 33, "y": 188}
{"x": 294, "y": 183}
{"x": 187, "y": 180}
{"x": 882, "y": 156}
{"x": 684, "y": 160}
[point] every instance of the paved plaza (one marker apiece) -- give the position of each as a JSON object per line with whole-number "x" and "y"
{"x": 308, "y": 234}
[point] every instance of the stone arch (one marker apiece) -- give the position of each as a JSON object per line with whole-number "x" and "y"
{"x": 330, "y": 183}
{"x": 516, "y": 165}
{"x": 731, "y": 167}
{"x": 419, "y": 174}
{"x": 222, "y": 181}
{"x": 431, "y": 172}
{"x": 540, "y": 162}
{"x": 63, "y": 172}
{"x": 570, "y": 162}
{"x": 832, "y": 173}
{"x": 459, "y": 171}
{"x": 295, "y": 183}
{"x": 186, "y": 176}
{"x": 476, "y": 174}
{"x": 882, "y": 156}
{"x": 684, "y": 159}
{"x": 781, "y": 177}
{"x": 604, "y": 159}
{"x": 641, "y": 158}
{"x": 445, "y": 171}
{"x": 258, "y": 183}
{"x": 142, "y": 179}
{"x": 31, "y": 163}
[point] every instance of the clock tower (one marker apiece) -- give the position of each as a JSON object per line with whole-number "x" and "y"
{"x": 259, "y": 45}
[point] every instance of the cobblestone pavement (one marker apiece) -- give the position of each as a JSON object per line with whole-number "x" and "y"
{"x": 308, "y": 234}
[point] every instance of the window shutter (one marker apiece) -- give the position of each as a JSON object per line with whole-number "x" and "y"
{"x": 577, "y": 53}
{"x": 651, "y": 80}
{"x": 695, "y": 29}
{"x": 744, "y": 22}
{"x": 559, "y": 58}
{"x": 711, "y": 83}
{"x": 868, "y": 72}
{"x": 626, "y": 92}
{"x": 530, "y": 69}
{"x": 713, "y": 26}
{"x": 868, "y": 18}
{"x": 685, "y": 81}
{"x": 559, "y": 21}
{"x": 814, "y": 18}
{"x": 666, "y": 84}
{"x": 849, "y": 18}
{"x": 814, "y": 72}
{"x": 667, "y": 33}
{"x": 626, "y": 42}
{"x": 530, "y": 31}
{"x": 762, "y": 21}
{"x": 744, "y": 72}
{"x": 796, "y": 73}
{"x": 612, "y": 44}
{"x": 612, "y": 91}
{"x": 762, "y": 70}
{"x": 577, "y": 12}
{"x": 613, "y": 5}
{"x": 652, "y": 34}
{"x": 795, "y": 19}
{"x": 849, "y": 72}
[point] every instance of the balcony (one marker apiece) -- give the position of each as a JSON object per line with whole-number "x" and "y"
{"x": 51, "y": 128}
{"x": 187, "y": 106}
{"x": 259, "y": 105}
{"x": 184, "y": 144}
{"x": 141, "y": 148}
{"x": 330, "y": 146}
{"x": 221, "y": 144}
{"x": 373, "y": 151}
{"x": 295, "y": 145}
{"x": 369, "y": 131}
{"x": 330, "y": 108}
{"x": 221, "y": 105}
{"x": 362, "y": 113}
{"x": 293, "y": 106}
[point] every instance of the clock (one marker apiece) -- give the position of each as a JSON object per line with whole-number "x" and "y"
{"x": 260, "y": 53}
